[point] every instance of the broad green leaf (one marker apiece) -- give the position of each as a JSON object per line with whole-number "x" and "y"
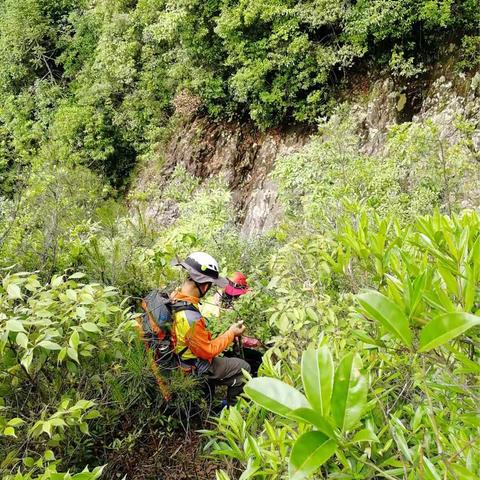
{"x": 361, "y": 335}
{"x": 82, "y": 405}
{"x": 62, "y": 354}
{"x": 317, "y": 377}
{"x": 32, "y": 284}
{"x": 309, "y": 453}
{"x": 22, "y": 340}
{"x": 72, "y": 295}
{"x": 250, "y": 470}
{"x": 28, "y": 461}
{"x": 9, "y": 432}
{"x": 47, "y": 428}
{"x": 49, "y": 456}
{"x": 74, "y": 340}
{"x": 56, "y": 281}
{"x": 57, "y": 422}
{"x": 469, "y": 366}
{"x": 307, "y": 415}
{"x": 86, "y": 298}
{"x": 450, "y": 280}
{"x": 94, "y": 474}
{"x": 15, "y": 326}
{"x": 386, "y": 312}
{"x": 417, "y": 418}
{"x": 15, "y": 422}
{"x": 445, "y": 300}
{"x": 48, "y": 345}
{"x": 275, "y": 395}
{"x": 251, "y": 445}
{"x": 415, "y": 291}
{"x": 401, "y": 442}
{"x": 77, "y": 275}
{"x": 83, "y": 427}
{"x": 92, "y": 414}
{"x": 444, "y": 328}
{"x": 349, "y": 392}
{"x": 365, "y": 435}
{"x": 312, "y": 314}
{"x": 84, "y": 476}
{"x": 90, "y": 327}
{"x": 27, "y": 359}
{"x": 13, "y": 291}
{"x": 72, "y": 354}
{"x": 469, "y": 290}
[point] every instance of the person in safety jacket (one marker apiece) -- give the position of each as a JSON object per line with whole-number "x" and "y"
{"x": 194, "y": 343}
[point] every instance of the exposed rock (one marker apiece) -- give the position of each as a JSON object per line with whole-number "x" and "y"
{"x": 263, "y": 209}
{"x": 245, "y": 156}
{"x": 449, "y": 101}
{"x": 376, "y": 115}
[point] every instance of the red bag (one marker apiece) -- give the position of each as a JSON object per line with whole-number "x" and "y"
{"x": 250, "y": 342}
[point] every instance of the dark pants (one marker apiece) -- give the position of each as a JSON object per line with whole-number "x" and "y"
{"x": 251, "y": 356}
{"x": 227, "y": 371}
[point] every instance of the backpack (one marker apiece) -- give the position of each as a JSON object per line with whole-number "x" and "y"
{"x": 156, "y": 329}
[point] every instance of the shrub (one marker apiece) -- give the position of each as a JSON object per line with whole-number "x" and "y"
{"x": 49, "y": 219}
{"x": 63, "y": 345}
{"x": 423, "y": 303}
{"x": 417, "y": 171}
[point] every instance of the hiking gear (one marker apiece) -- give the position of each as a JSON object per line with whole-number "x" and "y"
{"x": 237, "y": 285}
{"x": 156, "y": 330}
{"x": 190, "y": 330}
{"x": 250, "y": 342}
{"x": 237, "y": 347}
{"x": 202, "y": 268}
{"x": 156, "y": 322}
{"x": 228, "y": 371}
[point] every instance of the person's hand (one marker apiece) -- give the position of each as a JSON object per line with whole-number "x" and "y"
{"x": 237, "y": 328}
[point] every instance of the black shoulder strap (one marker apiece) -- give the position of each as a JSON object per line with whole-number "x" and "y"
{"x": 181, "y": 305}
{"x": 181, "y": 352}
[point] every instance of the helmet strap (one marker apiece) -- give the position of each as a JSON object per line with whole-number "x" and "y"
{"x": 200, "y": 293}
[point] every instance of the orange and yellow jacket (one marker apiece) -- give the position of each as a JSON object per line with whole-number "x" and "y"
{"x": 190, "y": 330}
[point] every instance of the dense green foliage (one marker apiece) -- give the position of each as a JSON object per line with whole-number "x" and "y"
{"x": 366, "y": 292}
{"x": 54, "y": 338}
{"x": 94, "y": 82}
{"x": 375, "y": 298}
{"x": 414, "y": 408}
{"x": 402, "y": 400}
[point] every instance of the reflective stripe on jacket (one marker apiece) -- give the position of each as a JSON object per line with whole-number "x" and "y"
{"x": 190, "y": 330}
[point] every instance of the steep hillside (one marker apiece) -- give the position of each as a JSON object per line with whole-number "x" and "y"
{"x": 327, "y": 149}
{"x": 245, "y": 156}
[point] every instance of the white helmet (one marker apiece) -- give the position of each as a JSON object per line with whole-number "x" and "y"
{"x": 203, "y": 268}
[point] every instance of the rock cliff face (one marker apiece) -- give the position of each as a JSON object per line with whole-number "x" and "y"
{"x": 246, "y": 156}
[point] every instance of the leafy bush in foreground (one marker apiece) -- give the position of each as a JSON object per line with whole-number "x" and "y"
{"x": 62, "y": 346}
{"x": 411, "y": 338}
